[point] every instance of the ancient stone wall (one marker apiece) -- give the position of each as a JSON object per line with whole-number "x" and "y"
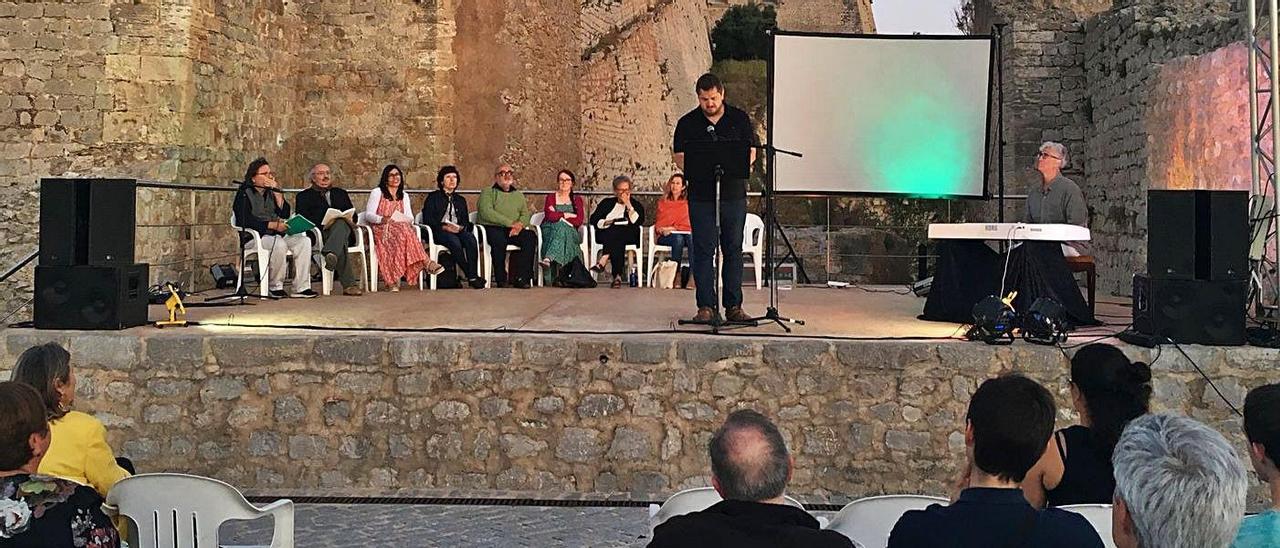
{"x": 365, "y": 414}
{"x": 846, "y": 16}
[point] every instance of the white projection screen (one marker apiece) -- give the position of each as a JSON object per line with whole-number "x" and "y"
{"x": 897, "y": 115}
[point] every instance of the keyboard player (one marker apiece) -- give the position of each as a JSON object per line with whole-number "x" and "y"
{"x": 969, "y": 270}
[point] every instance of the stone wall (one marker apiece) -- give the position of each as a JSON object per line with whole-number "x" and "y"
{"x": 363, "y": 414}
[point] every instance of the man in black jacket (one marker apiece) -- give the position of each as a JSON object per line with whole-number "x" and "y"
{"x": 312, "y": 204}
{"x": 750, "y": 467}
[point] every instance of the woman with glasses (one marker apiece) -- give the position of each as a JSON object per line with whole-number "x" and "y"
{"x": 260, "y": 205}
{"x": 1107, "y": 391}
{"x": 400, "y": 253}
{"x": 565, "y": 212}
{"x": 671, "y": 226}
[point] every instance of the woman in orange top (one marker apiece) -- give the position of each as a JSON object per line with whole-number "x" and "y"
{"x": 78, "y": 451}
{"x": 672, "y": 224}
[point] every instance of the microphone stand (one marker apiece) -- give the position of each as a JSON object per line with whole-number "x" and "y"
{"x": 716, "y": 320}
{"x": 771, "y": 222}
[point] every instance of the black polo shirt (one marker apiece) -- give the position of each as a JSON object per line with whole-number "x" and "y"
{"x": 742, "y": 524}
{"x": 734, "y": 125}
{"x": 992, "y": 517}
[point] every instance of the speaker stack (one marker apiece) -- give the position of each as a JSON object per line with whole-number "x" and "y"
{"x": 1196, "y": 283}
{"x": 86, "y": 278}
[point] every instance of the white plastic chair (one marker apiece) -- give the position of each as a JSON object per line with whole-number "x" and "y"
{"x": 633, "y": 251}
{"x": 868, "y": 521}
{"x": 688, "y": 502}
{"x": 184, "y": 511}
{"x": 364, "y": 225}
{"x": 483, "y": 240}
{"x": 433, "y": 249}
{"x": 326, "y": 275}
{"x": 256, "y": 252}
{"x": 752, "y": 244}
{"x": 1099, "y": 516}
{"x": 654, "y": 249}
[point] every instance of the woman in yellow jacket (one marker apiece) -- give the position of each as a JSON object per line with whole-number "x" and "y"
{"x": 78, "y": 448}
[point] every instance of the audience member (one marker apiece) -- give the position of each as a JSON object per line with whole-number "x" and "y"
{"x": 1262, "y": 430}
{"x": 79, "y": 450}
{"x": 400, "y": 253}
{"x": 504, "y": 214}
{"x": 35, "y": 509}
{"x": 1179, "y": 484}
{"x": 1009, "y": 423}
{"x": 313, "y": 202}
{"x": 617, "y": 222}
{"x": 1107, "y": 391}
{"x": 561, "y": 241}
{"x": 260, "y": 205}
{"x": 444, "y": 211}
{"x": 750, "y": 468}
{"x": 671, "y": 223}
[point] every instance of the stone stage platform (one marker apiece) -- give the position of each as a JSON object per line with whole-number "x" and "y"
{"x": 870, "y": 399}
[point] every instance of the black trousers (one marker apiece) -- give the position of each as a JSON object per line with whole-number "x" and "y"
{"x": 969, "y": 270}
{"x": 521, "y": 259}
{"x": 615, "y": 240}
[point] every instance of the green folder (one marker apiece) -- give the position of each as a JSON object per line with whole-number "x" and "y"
{"x": 298, "y": 224}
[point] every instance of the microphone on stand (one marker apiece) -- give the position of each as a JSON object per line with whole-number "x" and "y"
{"x": 711, "y": 131}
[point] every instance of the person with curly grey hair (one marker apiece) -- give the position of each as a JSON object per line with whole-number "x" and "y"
{"x": 1179, "y": 484}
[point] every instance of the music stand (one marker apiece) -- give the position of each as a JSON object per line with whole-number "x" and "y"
{"x": 712, "y": 161}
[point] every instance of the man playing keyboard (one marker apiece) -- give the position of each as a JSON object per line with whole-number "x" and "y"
{"x": 969, "y": 270}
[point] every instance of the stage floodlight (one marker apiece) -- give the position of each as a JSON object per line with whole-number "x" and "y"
{"x": 993, "y": 321}
{"x": 1044, "y": 323}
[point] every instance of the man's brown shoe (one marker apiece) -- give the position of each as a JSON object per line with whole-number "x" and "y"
{"x": 353, "y": 291}
{"x": 705, "y": 314}
{"x": 735, "y": 314}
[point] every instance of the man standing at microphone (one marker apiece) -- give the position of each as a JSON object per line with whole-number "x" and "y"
{"x": 715, "y": 120}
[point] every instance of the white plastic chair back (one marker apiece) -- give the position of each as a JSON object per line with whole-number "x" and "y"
{"x": 868, "y": 521}
{"x": 688, "y": 502}
{"x": 1099, "y": 516}
{"x": 184, "y": 511}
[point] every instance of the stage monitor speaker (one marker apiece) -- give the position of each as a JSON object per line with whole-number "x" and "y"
{"x": 1198, "y": 234}
{"x": 91, "y": 297}
{"x": 87, "y": 221}
{"x": 1190, "y": 311}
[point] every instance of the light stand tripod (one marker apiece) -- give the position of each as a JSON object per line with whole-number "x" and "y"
{"x": 771, "y": 222}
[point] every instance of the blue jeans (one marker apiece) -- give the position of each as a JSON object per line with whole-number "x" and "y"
{"x": 464, "y": 249}
{"x": 702, "y": 215}
{"x": 677, "y": 242}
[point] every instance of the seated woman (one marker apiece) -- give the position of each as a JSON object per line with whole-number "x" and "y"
{"x": 671, "y": 224}
{"x": 400, "y": 254}
{"x": 445, "y": 213}
{"x": 1108, "y": 391}
{"x": 36, "y": 509}
{"x": 617, "y": 222}
{"x": 79, "y": 451}
{"x": 564, "y": 215}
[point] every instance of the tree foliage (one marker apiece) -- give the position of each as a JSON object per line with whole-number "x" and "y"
{"x": 742, "y": 33}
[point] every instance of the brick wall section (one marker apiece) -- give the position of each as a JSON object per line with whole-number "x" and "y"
{"x": 361, "y": 414}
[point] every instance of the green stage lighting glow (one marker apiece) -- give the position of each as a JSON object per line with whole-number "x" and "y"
{"x": 918, "y": 148}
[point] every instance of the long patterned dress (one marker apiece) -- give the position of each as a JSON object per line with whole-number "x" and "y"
{"x": 400, "y": 253}
{"x": 560, "y": 239}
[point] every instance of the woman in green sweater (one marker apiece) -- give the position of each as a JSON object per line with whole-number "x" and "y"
{"x": 503, "y": 214}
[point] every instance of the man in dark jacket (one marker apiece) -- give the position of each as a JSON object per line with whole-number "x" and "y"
{"x": 750, "y": 467}
{"x": 260, "y": 205}
{"x": 312, "y": 204}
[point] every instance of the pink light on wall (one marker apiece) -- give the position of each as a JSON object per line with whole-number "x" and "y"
{"x": 1198, "y": 122}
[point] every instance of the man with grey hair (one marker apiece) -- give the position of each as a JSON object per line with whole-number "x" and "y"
{"x": 1057, "y": 199}
{"x": 1179, "y": 484}
{"x": 312, "y": 203}
{"x": 750, "y": 468}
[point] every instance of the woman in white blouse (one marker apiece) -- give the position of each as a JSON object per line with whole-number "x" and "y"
{"x": 395, "y": 239}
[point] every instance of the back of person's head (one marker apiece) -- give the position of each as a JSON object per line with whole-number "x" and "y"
{"x": 1012, "y": 419}
{"x": 749, "y": 459}
{"x": 1115, "y": 391}
{"x": 45, "y": 367}
{"x": 445, "y": 171}
{"x": 252, "y": 170}
{"x": 21, "y": 415}
{"x": 1262, "y": 420}
{"x": 1179, "y": 482}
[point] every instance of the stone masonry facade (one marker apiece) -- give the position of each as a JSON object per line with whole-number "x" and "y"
{"x": 1088, "y": 73}
{"x": 189, "y": 92}
{"x": 350, "y": 414}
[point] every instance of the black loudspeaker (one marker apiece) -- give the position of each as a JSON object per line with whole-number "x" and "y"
{"x": 1189, "y": 311}
{"x": 91, "y": 297}
{"x": 1198, "y": 234}
{"x": 87, "y": 221}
